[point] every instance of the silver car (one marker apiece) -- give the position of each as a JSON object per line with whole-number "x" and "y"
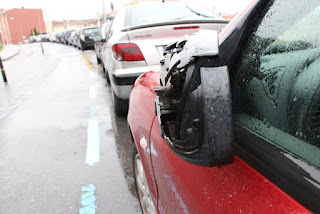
{"x": 138, "y": 37}
{"x": 71, "y": 38}
{"x": 98, "y": 46}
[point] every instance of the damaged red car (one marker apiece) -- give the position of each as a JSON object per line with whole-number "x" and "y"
{"x": 231, "y": 124}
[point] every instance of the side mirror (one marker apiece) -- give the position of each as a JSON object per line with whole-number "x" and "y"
{"x": 97, "y": 38}
{"x": 193, "y": 105}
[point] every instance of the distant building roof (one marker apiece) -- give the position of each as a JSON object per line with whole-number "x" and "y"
{"x": 73, "y": 22}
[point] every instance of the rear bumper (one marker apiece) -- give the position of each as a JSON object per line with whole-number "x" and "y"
{"x": 122, "y": 80}
{"x": 87, "y": 44}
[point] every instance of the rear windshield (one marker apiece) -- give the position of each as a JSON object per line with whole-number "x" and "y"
{"x": 146, "y": 14}
{"x": 68, "y": 32}
{"x": 90, "y": 30}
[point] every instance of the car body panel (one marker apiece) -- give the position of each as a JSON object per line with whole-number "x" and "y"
{"x": 141, "y": 128}
{"x": 187, "y": 188}
{"x": 122, "y": 79}
{"x": 153, "y": 40}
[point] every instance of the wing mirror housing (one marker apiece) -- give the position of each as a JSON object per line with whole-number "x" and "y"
{"x": 193, "y": 102}
{"x": 97, "y": 38}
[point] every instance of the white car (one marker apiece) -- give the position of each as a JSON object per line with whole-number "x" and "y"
{"x": 53, "y": 37}
{"x": 138, "y": 37}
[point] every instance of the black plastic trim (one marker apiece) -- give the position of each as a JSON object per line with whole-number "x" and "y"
{"x": 123, "y": 80}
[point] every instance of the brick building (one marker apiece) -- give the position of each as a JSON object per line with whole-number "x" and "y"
{"x": 20, "y": 22}
{"x": 4, "y": 28}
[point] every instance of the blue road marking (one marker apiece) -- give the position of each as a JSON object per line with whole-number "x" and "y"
{"x": 88, "y": 200}
{"x": 93, "y": 143}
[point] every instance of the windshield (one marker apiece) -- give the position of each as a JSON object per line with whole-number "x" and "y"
{"x": 146, "y": 14}
{"x": 90, "y": 30}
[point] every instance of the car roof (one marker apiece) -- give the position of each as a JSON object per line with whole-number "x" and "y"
{"x": 88, "y": 28}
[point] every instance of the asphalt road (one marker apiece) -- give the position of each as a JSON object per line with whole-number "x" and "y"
{"x": 62, "y": 149}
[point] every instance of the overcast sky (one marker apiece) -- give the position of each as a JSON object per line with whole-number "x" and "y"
{"x": 80, "y": 9}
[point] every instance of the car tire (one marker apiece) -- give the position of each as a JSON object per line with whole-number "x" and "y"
{"x": 142, "y": 187}
{"x": 98, "y": 60}
{"x": 120, "y": 105}
{"x": 107, "y": 76}
{"x": 106, "y": 72}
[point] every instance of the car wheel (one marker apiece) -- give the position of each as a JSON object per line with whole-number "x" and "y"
{"x": 146, "y": 202}
{"x": 106, "y": 72}
{"x": 108, "y": 78}
{"x": 98, "y": 60}
{"x": 120, "y": 105}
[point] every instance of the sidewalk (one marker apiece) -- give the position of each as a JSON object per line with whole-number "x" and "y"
{"x": 9, "y": 51}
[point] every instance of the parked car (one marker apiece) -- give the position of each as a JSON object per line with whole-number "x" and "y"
{"x": 32, "y": 39}
{"x": 138, "y": 37}
{"x": 53, "y": 37}
{"x": 237, "y": 125}
{"x": 102, "y": 38}
{"x": 66, "y": 35}
{"x": 43, "y": 38}
{"x": 59, "y": 37}
{"x": 38, "y": 38}
{"x": 85, "y": 37}
{"x": 72, "y": 37}
{"x": 75, "y": 40}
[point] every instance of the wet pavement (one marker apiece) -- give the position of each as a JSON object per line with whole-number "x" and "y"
{"x": 9, "y": 51}
{"x": 62, "y": 149}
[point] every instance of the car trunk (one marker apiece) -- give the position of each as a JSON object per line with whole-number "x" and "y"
{"x": 153, "y": 38}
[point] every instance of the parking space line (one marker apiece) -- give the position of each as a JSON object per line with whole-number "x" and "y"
{"x": 88, "y": 62}
{"x": 88, "y": 200}
{"x": 93, "y": 143}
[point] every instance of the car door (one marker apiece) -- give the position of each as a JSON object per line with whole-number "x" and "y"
{"x": 275, "y": 88}
{"x": 105, "y": 36}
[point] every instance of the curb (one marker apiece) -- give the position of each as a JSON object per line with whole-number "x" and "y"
{"x": 9, "y": 57}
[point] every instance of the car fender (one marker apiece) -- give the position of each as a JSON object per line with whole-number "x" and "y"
{"x": 140, "y": 117}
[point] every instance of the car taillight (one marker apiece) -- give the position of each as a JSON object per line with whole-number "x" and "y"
{"x": 127, "y": 52}
{"x": 82, "y": 37}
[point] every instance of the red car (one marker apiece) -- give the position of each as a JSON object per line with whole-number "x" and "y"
{"x": 231, "y": 124}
